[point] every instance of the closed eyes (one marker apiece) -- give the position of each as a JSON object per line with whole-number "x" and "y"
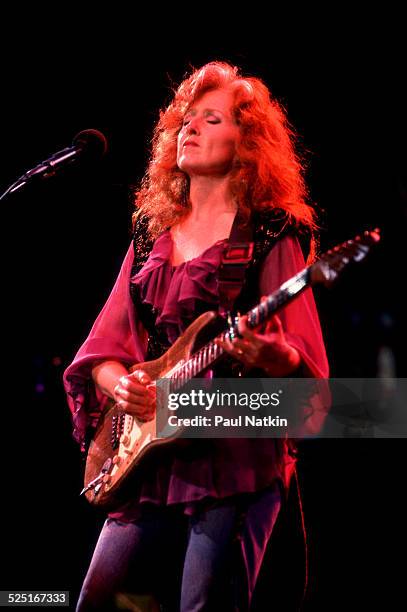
{"x": 213, "y": 121}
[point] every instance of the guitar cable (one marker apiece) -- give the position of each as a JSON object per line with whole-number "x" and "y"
{"x": 304, "y": 533}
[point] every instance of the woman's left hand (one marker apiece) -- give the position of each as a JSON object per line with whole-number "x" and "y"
{"x": 269, "y": 351}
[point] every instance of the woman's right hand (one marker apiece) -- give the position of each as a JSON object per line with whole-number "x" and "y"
{"x": 135, "y": 394}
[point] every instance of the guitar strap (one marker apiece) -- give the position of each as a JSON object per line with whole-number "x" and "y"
{"x": 236, "y": 258}
{"x": 248, "y": 245}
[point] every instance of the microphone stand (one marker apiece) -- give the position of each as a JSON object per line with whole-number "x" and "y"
{"x": 45, "y": 169}
{"x": 86, "y": 144}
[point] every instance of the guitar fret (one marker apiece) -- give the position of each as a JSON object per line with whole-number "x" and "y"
{"x": 271, "y": 305}
{"x": 282, "y": 297}
{"x": 294, "y": 285}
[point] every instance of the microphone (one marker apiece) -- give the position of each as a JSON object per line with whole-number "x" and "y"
{"x": 88, "y": 145}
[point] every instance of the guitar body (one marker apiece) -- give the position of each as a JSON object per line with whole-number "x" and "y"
{"x": 121, "y": 441}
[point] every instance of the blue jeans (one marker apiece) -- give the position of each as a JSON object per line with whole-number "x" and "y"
{"x": 207, "y": 562}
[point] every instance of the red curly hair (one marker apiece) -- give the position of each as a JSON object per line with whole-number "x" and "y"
{"x": 268, "y": 174}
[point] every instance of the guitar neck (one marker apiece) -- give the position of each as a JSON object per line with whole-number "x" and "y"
{"x": 279, "y": 298}
{"x": 211, "y": 352}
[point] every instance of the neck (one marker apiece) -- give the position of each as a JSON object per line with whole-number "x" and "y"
{"x": 209, "y": 197}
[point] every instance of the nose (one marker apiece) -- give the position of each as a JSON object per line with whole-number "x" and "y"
{"x": 193, "y": 126}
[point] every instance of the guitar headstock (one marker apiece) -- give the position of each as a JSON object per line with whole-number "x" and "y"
{"x": 327, "y": 269}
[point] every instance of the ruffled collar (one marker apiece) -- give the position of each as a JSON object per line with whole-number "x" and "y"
{"x": 178, "y": 294}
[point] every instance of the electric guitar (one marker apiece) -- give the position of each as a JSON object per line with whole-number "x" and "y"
{"x": 122, "y": 442}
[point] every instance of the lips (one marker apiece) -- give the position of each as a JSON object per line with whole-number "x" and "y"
{"x": 190, "y": 143}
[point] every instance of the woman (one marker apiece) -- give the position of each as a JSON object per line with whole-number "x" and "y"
{"x": 223, "y": 157}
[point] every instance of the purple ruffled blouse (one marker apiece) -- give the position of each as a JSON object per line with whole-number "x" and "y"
{"x": 206, "y": 470}
{"x": 179, "y": 293}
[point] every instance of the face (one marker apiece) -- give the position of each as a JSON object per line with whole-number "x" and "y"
{"x": 208, "y": 138}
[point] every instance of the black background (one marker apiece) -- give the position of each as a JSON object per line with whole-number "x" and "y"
{"x": 340, "y": 77}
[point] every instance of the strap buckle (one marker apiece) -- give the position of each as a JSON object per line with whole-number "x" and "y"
{"x": 238, "y": 253}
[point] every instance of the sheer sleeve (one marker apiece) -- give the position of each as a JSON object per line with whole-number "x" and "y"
{"x": 302, "y": 329}
{"x": 300, "y": 318}
{"x": 115, "y": 335}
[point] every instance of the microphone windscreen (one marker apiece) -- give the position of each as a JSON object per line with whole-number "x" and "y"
{"x": 92, "y": 142}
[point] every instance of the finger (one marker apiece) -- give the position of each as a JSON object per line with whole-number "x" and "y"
{"x": 228, "y": 347}
{"x": 138, "y": 384}
{"x": 274, "y": 325}
{"x": 126, "y": 384}
{"x": 245, "y": 348}
{"x": 244, "y": 329}
{"x": 242, "y": 324}
{"x": 152, "y": 391}
{"x": 129, "y": 396}
{"x": 238, "y": 351}
{"x": 139, "y": 409}
{"x": 225, "y": 344}
{"x": 141, "y": 377}
{"x": 237, "y": 346}
{"x": 136, "y": 405}
{"x": 251, "y": 337}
